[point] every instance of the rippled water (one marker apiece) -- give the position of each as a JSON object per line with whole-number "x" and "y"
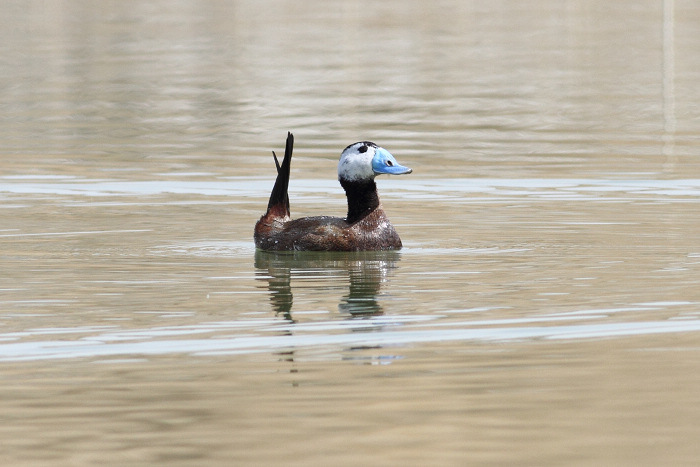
{"x": 545, "y": 309}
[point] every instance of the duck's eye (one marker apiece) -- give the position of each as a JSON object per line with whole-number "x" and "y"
{"x": 389, "y": 163}
{"x": 362, "y": 149}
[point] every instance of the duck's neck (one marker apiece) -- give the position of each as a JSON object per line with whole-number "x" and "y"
{"x": 362, "y": 198}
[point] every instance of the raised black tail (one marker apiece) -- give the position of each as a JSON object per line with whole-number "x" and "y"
{"x": 279, "y": 199}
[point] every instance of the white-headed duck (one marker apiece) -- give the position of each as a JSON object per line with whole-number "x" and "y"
{"x": 366, "y": 226}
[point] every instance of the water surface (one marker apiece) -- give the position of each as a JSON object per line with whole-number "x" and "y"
{"x": 544, "y": 309}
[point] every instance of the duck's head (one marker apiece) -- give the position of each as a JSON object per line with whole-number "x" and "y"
{"x": 364, "y": 160}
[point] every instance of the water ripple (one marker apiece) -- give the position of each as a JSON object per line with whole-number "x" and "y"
{"x": 271, "y": 335}
{"x": 410, "y": 188}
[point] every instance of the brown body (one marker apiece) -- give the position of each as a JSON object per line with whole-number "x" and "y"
{"x": 325, "y": 233}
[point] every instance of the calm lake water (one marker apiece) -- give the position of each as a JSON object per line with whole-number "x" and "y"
{"x": 544, "y": 311}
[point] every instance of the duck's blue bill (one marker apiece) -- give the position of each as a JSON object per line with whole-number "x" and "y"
{"x": 384, "y": 163}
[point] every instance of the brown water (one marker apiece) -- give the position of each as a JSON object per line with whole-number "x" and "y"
{"x": 544, "y": 311}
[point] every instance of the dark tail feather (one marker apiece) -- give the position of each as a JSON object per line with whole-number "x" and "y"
{"x": 277, "y": 164}
{"x": 279, "y": 200}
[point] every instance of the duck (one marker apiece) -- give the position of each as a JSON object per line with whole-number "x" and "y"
{"x": 366, "y": 226}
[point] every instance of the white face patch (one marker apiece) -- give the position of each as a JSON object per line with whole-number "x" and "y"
{"x": 356, "y": 162}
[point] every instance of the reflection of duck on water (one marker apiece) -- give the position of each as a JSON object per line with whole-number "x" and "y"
{"x": 366, "y": 271}
{"x": 366, "y": 226}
